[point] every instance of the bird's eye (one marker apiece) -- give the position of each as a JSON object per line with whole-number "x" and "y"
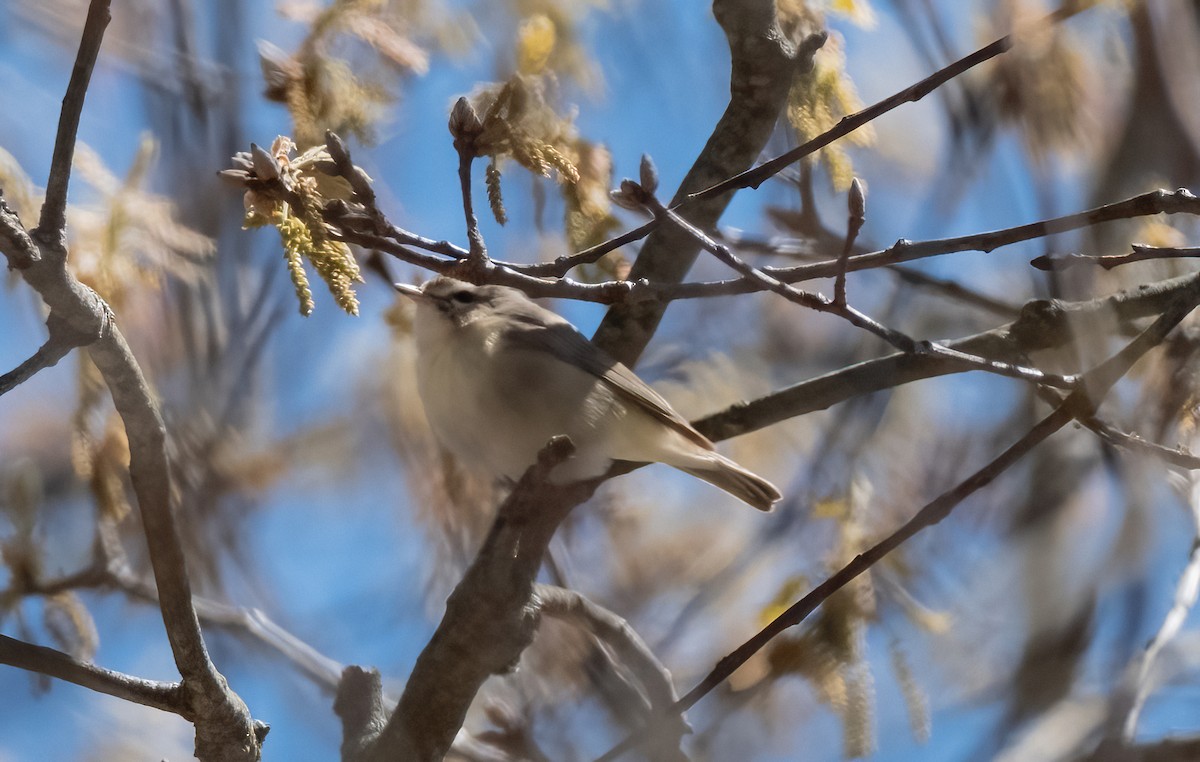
{"x": 463, "y": 297}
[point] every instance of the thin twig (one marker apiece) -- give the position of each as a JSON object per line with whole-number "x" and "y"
{"x": 1139, "y": 253}
{"x": 804, "y": 249}
{"x": 445, "y": 248}
{"x": 466, "y": 127}
{"x": 563, "y": 265}
{"x": 1136, "y": 684}
{"x": 1080, "y": 404}
{"x": 1043, "y": 324}
{"x": 477, "y": 255}
{"x": 1180, "y": 201}
{"x": 857, "y": 203}
{"x": 631, "y": 651}
{"x": 1175, "y": 456}
{"x": 752, "y": 178}
{"x": 606, "y": 292}
{"x": 47, "y": 356}
{"x": 819, "y": 303}
{"x": 47, "y": 661}
{"x": 54, "y": 206}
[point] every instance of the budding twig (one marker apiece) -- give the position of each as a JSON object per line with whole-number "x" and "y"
{"x": 857, "y": 203}
{"x": 465, "y": 126}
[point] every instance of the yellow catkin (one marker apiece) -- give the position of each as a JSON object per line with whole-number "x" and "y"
{"x": 495, "y": 197}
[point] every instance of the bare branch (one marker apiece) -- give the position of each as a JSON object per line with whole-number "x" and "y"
{"x": 488, "y": 616}
{"x": 47, "y": 356}
{"x": 764, "y": 63}
{"x": 224, "y": 728}
{"x": 47, "y": 661}
{"x": 1041, "y": 325}
{"x": 53, "y": 219}
{"x": 465, "y": 126}
{"x": 630, "y": 649}
{"x": 562, "y": 265}
{"x": 16, "y": 245}
{"x": 1080, "y": 404}
{"x": 360, "y": 706}
{"x": 1139, "y": 253}
{"x": 1180, "y": 201}
{"x": 223, "y": 722}
{"x": 819, "y": 303}
{"x": 752, "y": 178}
{"x": 1175, "y": 456}
{"x": 804, "y": 249}
{"x": 857, "y": 203}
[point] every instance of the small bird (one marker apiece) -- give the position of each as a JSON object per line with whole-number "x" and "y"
{"x": 499, "y": 376}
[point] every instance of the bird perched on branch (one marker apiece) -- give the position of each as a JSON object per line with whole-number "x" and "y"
{"x": 499, "y": 376}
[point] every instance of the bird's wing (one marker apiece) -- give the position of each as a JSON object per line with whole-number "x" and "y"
{"x": 569, "y": 345}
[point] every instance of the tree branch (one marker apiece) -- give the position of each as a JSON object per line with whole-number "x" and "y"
{"x": 1180, "y": 201}
{"x": 752, "y": 178}
{"x": 47, "y": 661}
{"x": 15, "y": 243}
{"x": 48, "y": 354}
{"x": 764, "y": 63}
{"x": 631, "y": 651}
{"x": 488, "y": 621}
{"x": 1042, "y": 324}
{"x": 54, "y": 207}
{"x": 224, "y": 728}
{"x": 1137, "y": 253}
{"x": 838, "y": 305}
{"x": 1080, "y": 404}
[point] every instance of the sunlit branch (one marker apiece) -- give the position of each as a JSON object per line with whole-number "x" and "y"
{"x": 1180, "y": 201}
{"x": 752, "y": 178}
{"x": 819, "y": 303}
{"x": 47, "y": 661}
{"x": 1081, "y": 403}
{"x": 224, "y": 728}
{"x": 1139, "y": 253}
{"x": 46, "y": 356}
{"x": 54, "y": 207}
{"x": 1042, "y": 324}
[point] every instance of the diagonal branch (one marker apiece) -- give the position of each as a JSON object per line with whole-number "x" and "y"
{"x": 752, "y": 178}
{"x": 838, "y": 305}
{"x": 47, "y": 661}
{"x": 1138, "y": 253}
{"x": 47, "y": 356}
{"x": 1080, "y": 404}
{"x": 1180, "y": 201}
{"x": 632, "y": 652}
{"x": 488, "y": 621}
{"x": 764, "y": 63}
{"x": 54, "y": 208}
{"x": 1042, "y": 324}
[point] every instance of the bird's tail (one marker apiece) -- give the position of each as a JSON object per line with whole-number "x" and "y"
{"x": 750, "y": 488}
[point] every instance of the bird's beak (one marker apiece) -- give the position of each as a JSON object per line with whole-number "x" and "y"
{"x": 412, "y": 292}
